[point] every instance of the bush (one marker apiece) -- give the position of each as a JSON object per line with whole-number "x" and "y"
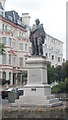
{"x": 66, "y": 83}
{"x": 24, "y": 74}
{"x": 2, "y": 81}
{"x": 62, "y": 87}
{"x": 8, "y": 82}
{"x": 56, "y": 89}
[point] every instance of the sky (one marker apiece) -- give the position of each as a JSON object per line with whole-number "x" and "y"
{"x": 52, "y": 13}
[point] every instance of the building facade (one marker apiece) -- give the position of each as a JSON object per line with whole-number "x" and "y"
{"x": 53, "y": 50}
{"x": 14, "y": 35}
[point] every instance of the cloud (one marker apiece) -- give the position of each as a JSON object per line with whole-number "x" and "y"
{"x": 52, "y": 13}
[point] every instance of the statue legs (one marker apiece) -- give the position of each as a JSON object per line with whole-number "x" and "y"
{"x": 40, "y": 49}
{"x": 36, "y": 47}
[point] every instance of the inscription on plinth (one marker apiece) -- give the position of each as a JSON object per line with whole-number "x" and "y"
{"x": 34, "y": 76}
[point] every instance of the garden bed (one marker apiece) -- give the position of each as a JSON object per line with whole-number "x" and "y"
{"x": 35, "y": 112}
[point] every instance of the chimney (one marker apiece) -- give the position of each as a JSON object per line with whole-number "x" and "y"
{"x": 26, "y": 19}
{"x": 3, "y": 3}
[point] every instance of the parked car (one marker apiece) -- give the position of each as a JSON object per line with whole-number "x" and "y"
{"x": 5, "y": 92}
{"x": 21, "y": 91}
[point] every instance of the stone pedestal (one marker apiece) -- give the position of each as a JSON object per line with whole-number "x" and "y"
{"x": 37, "y": 92}
{"x": 37, "y": 77}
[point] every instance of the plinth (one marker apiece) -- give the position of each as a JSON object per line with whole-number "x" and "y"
{"x": 37, "y": 92}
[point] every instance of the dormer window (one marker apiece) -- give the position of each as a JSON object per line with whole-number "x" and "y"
{"x": 10, "y": 18}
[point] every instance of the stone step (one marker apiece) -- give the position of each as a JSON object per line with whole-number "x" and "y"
{"x": 32, "y": 97}
{"x": 50, "y": 97}
{"x": 56, "y": 104}
{"x": 53, "y": 100}
{"x": 31, "y": 100}
{"x": 37, "y": 100}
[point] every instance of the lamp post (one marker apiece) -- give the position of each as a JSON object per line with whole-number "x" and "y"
{"x": 21, "y": 79}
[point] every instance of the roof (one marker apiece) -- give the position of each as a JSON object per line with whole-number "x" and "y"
{"x": 14, "y": 15}
{"x": 1, "y": 7}
{"x": 54, "y": 38}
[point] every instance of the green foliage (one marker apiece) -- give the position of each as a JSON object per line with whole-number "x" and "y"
{"x": 4, "y": 81}
{"x": 53, "y": 74}
{"x": 62, "y": 87}
{"x": 24, "y": 74}
{"x": 8, "y": 82}
{"x": 60, "y": 73}
{"x": 65, "y": 67}
{"x": 66, "y": 83}
{"x": 2, "y": 48}
{"x": 56, "y": 89}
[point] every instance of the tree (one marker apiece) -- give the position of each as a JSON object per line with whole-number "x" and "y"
{"x": 57, "y": 74}
{"x": 62, "y": 87}
{"x": 60, "y": 74}
{"x": 51, "y": 74}
{"x": 65, "y": 67}
{"x": 2, "y": 48}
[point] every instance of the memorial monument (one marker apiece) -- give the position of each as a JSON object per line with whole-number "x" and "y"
{"x": 37, "y": 92}
{"x": 37, "y": 36}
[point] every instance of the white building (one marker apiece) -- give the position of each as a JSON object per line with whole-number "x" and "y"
{"x": 53, "y": 50}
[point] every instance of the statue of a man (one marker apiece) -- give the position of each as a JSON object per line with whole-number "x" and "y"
{"x": 37, "y": 36}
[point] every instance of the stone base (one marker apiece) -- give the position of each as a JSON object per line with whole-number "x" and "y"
{"x": 29, "y": 101}
{"x": 37, "y": 92}
{"x": 37, "y": 95}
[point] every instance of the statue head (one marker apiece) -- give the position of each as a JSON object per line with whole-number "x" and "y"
{"x": 37, "y": 21}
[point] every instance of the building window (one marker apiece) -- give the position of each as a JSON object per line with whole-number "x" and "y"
{"x": 21, "y": 62}
{"x": 46, "y": 55}
{"x": 9, "y": 41}
{"x": 21, "y": 46}
{"x": 6, "y": 27}
{"x": 2, "y": 26}
{"x": 58, "y": 59}
{"x": 52, "y": 48}
{"x": 9, "y": 75}
{"x": 4, "y": 75}
{"x": 49, "y": 55}
{"x": 51, "y": 40}
{"x": 52, "y": 57}
{"x": 13, "y": 60}
{"x": 3, "y": 59}
{"x": 58, "y": 51}
{"x": 58, "y": 42}
{"x": 25, "y": 47}
{"x": 49, "y": 47}
{"x": 10, "y": 59}
{"x": 20, "y": 34}
{"x": 4, "y": 40}
{"x": 13, "y": 45}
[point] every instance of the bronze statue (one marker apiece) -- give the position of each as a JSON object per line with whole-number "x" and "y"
{"x": 37, "y": 36}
